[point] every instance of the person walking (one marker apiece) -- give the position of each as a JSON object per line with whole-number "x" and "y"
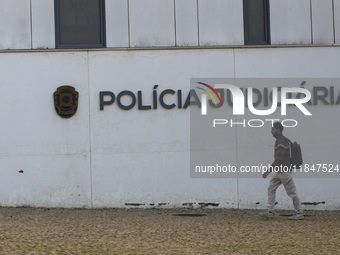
{"x": 282, "y": 174}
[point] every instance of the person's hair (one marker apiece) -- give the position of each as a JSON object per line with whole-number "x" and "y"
{"x": 278, "y": 125}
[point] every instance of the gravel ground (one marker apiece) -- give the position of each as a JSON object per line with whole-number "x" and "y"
{"x": 165, "y": 231}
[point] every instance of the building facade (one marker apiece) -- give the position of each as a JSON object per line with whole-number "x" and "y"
{"x": 126, "y": 145}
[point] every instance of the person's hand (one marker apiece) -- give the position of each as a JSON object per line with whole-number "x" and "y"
{"x": 265, "y": 174}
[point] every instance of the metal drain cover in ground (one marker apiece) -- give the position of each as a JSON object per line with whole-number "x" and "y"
{"x": 189, "y": 214}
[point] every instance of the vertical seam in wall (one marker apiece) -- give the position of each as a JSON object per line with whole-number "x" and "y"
{"x": 198, "y": 24}
{"x": 31, "y": 24}
{"x": 333, "y": 21}
{"x": 236, "y": 143}
{"x": 128, "y": 16}
{"x": 175, "y": 23}
{"x": 234, "y": 60}
{"x": 90, "y": 129}
{"x": 237, "y": 167}
{"x": 311, "y": 21}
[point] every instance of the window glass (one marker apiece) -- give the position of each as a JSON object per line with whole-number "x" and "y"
{"x": 79, "y": 23}
{"x": 256, "y": 21}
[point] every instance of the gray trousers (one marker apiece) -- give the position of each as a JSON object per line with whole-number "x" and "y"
{"x": 288, "y": 182}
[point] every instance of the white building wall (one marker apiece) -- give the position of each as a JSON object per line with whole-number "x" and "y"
{"x": 112, "y": 157}
{"x": 43, "y": 28}
{"x": 290, "y": 22}
{"x": 220, "y": 22}
{"x": 152, "y": 23}
{"x": 117, "y": 23}
{"x": 143, "y": 156}
{"x": 298, "y": 63}
{"x": 336, "y": 10}
{"x": 322, "y": 22}
{"x": 53, "y": 153}
{"x": 170, "y": 23}
{"x": 15, "y": 24}
{"x": 186, "y": 23}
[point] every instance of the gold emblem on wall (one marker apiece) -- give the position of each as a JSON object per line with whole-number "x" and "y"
{"x": 66, "y": 101}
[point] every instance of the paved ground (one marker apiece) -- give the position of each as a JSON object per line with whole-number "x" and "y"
{"x": 162, "y": 231}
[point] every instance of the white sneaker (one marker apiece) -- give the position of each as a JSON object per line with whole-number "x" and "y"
{"x": 296, "y": 216}
{"x": 268, "y": 214}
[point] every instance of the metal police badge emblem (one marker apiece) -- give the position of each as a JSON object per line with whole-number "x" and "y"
{"x": 66, "y": 101}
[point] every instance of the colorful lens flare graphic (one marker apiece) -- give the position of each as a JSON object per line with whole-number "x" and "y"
{"x": 213, "y": 90}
